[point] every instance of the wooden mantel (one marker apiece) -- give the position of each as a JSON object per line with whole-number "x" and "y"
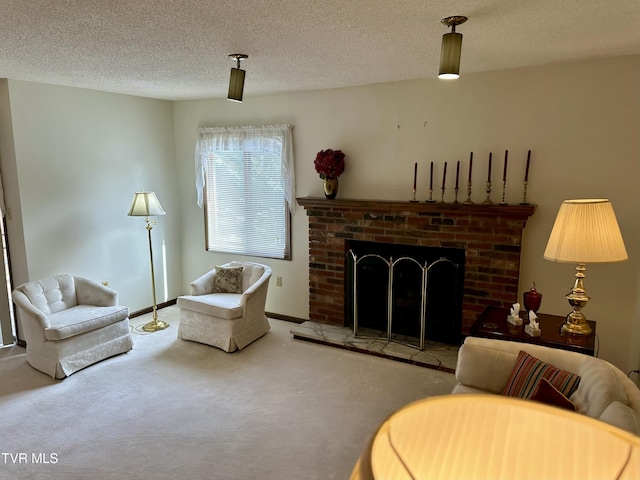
{"x": 479, "y": 210}
{"x": 491, "y": 236}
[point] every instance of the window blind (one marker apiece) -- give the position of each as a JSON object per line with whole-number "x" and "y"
{"x": 246, "y": 211}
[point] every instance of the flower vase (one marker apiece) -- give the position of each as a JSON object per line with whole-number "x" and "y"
{"x": 330, "y": 186}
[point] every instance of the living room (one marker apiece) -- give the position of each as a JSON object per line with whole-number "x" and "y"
{"x": 578, "y": 120}
{"x": 72, "y": 157}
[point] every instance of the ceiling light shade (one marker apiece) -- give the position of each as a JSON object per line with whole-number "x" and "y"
{"x": 145, "y": 204}
{"x": 236, "y": 80}
{"x": 585, "y": 231}
{"x": 451, "y": 49}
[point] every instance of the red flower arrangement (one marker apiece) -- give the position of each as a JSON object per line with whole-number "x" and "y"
{"x": 329, "y": 163}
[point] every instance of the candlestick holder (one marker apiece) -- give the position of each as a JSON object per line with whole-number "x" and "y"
{"x": 468, "y": 201}
{"x": 414, "y": 197}
{"x": 442, "y": 196}
{"x": 487, "y": 201}
{"x": 431, "y": 200}
{"x": 456, "y": 199}
{"x": 504, "y": 191}
{"x": 524, "y": 195}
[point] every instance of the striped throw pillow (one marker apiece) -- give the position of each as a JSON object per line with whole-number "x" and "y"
{"x": 529, "y": 370}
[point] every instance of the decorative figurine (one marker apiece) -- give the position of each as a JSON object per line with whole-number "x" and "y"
{"x": 514, "y": 315}
{"x": 533, "y": 329}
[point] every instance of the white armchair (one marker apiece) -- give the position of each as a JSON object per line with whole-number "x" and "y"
{"x": 70, "y": 322}
{"x": 228, "y": 315}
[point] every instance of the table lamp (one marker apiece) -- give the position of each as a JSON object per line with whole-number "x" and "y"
{"x": 585, "y": 231}
{"x": 479, "y": 437}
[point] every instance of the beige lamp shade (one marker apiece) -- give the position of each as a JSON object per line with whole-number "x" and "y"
{"x": 586, "y": 231}
{"x": 456, "y": 437}
{"x": 145, "y": 204}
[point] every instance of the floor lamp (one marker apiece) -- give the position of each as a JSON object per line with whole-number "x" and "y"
{"x": 146, "y": 204}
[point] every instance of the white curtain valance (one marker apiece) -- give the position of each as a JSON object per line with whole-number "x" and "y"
{"x": 266, "y": 138}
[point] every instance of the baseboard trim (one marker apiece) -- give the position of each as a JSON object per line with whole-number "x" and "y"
{"x": 144, "y": 311}
{"x": 277, "y": 316}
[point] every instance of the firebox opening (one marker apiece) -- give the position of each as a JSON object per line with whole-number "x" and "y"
{"x": 406, "y": 293}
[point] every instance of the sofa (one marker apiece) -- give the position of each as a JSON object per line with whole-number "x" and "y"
{"x": 603, "y": 392}
{"x": 70, "y": 322}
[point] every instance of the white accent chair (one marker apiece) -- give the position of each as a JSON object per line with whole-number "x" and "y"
{"x": 228, "y": 321}
{"x": 70, "y": 322}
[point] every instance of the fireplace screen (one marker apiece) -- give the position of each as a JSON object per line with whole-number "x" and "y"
{"x": 404, "y": 293}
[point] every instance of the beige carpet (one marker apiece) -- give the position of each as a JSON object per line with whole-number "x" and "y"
{"x": 169, "y": 409}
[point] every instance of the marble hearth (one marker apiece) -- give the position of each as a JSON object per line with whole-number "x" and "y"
{"x": 435, "y": 355}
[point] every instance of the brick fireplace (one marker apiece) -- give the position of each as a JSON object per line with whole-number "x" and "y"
{"x": 491, "y": 236}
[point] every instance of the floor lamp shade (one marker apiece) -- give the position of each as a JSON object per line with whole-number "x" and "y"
{"x": 585, "y": 231}
{"x": 145, "y": 204}
{"x": 450, "y": 56}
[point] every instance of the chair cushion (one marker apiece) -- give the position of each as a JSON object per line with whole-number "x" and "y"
{"x": 51, "y": 295}
{"x": 251, "y": 273}
{"x": 227, "y": 280}
{"x": 222, "y": 305}
{"x": 81, "y": 319}
{"x": 527, "y": 374}
{"x": 484, "y": 368}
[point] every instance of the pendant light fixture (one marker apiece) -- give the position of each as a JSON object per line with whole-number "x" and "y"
{"x": 451, "y": 48}
{"x": 236, "y": 81}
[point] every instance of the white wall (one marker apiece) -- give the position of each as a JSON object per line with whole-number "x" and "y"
{"x": 580, "y": 120}
{"x": 80, "y": 156}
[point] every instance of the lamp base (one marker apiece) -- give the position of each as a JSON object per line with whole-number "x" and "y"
{"x": 154, "y": 326}
{"x": 576, "y": 327}
{"x": 576, "y": 323}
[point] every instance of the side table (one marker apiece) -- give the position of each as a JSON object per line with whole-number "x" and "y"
{"x": 492, "y": 323}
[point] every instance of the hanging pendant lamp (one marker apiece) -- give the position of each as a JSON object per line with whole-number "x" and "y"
{"x": 451, "y": 48}
{"x": 236, "y": 81}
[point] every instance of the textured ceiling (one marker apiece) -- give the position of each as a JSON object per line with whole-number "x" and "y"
{"x": 178, "y": 49}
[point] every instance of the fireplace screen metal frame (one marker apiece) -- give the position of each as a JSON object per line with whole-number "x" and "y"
{"x": 391, "y": 264}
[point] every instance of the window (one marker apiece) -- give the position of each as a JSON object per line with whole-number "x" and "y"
{"x": 244, "y": 180}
